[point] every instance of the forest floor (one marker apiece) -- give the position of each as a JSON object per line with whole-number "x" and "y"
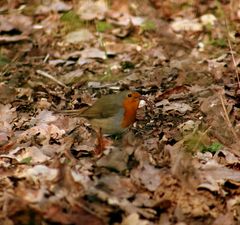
{"x": 178, "y": 164}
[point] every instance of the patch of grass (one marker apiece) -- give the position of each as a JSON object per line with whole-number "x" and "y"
{"x": 208, "y": 27}
{"x": 192, "y": 143}
{"x": 219, "y": 11}
{"x": 132, "y": 40}
{"x": 26, "y": 160}
{"x": 71, "y": 21}
{"x": 3, "y": 60}
{"x": 184, "y": 5}
{"x": 200, "y": 141}
{"x": 218, "y": 43}
{"x": 127, "y": 65}
{"x": 148, "y": 25}
{"x": 108, "y": 76}
{"x": 213, "y": 148}
{"x": 102, "y": 26}
{"x": 196, "y": 141}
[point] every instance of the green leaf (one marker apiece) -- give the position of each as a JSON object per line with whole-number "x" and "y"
{"x": 26, "y": 160}
{"x": 213, "y": 148}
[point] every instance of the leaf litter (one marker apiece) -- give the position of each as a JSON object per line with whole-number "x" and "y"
{"x": 178, "y": 164}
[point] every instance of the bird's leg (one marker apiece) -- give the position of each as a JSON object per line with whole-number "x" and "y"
{"x": 101, "y": 143}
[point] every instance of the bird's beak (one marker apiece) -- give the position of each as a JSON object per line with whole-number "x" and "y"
{"x": 144, "y": 101}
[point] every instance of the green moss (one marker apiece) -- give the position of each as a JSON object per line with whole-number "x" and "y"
{"x": 192, "y": 143}
{"x": 102, "y": 26}
{"x": 132, "y": 40}
{"x": 3, "y": 60}
{"x": 208, "y": 27}
{"x": 148, "y": 25}
{"x": 71, "y": 21}
{"x": 218, "y": 42}
{"x": 26, "y": 160}
{"x": 219, "y": 11}
{"x": 196, "y": 141}
{"x": 200, "y": 141}
{"x": 127, "y": 65}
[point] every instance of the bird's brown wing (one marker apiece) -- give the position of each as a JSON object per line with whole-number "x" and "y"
{"x": 105, "y": 107}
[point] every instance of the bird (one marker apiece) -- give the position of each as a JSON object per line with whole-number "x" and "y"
{"x": 110, "y": 115}
{"x": 113, "y": 113}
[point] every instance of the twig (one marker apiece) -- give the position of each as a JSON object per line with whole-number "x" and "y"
{"x": 231, "y": 51}
{"x": 16, "y": 38}
{"x": 47, "y": 75}
{"x": 200, "y": 137}
{"x": 7, "y": 66}
{"x": 226, "y": 117}
{"x": 46, "y": 58}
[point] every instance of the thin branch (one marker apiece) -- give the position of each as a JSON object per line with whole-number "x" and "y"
{"x": 231, "y": 51}
{"x": 226, "y": 117}
{"x": 47, "y": 75}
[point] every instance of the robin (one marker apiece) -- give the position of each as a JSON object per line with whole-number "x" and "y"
{"x": 111, "y": 114}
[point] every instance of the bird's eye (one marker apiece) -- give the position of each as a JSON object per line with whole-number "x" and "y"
{"x": 129, "y": 95}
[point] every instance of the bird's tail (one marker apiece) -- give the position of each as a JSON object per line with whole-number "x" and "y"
{"x": 71, "y": 112}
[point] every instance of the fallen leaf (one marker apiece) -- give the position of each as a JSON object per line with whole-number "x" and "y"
{"x": 174, "y": 106}
{"x": 44, "y": 117}
{"x": 93, "y": 53}
{"x": 134, "y": 219}
{"x": 89, "y": 10}
{"x": 219, "y": 172}
{"x": 79, "y": 36}
{"x": 208, "y": 19}
{"x": 40, "y": 172}
{"x": 57, "y": 6}
{"x": 186, "y": 25}
{"x": 16, "y": 22}
{"x": 144, "y": 175}
{"x": 72, "y": 77}
{"x": 15, "y": 38}
{"x": 116, "y": 160}
{"x": 33, "y": 153}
